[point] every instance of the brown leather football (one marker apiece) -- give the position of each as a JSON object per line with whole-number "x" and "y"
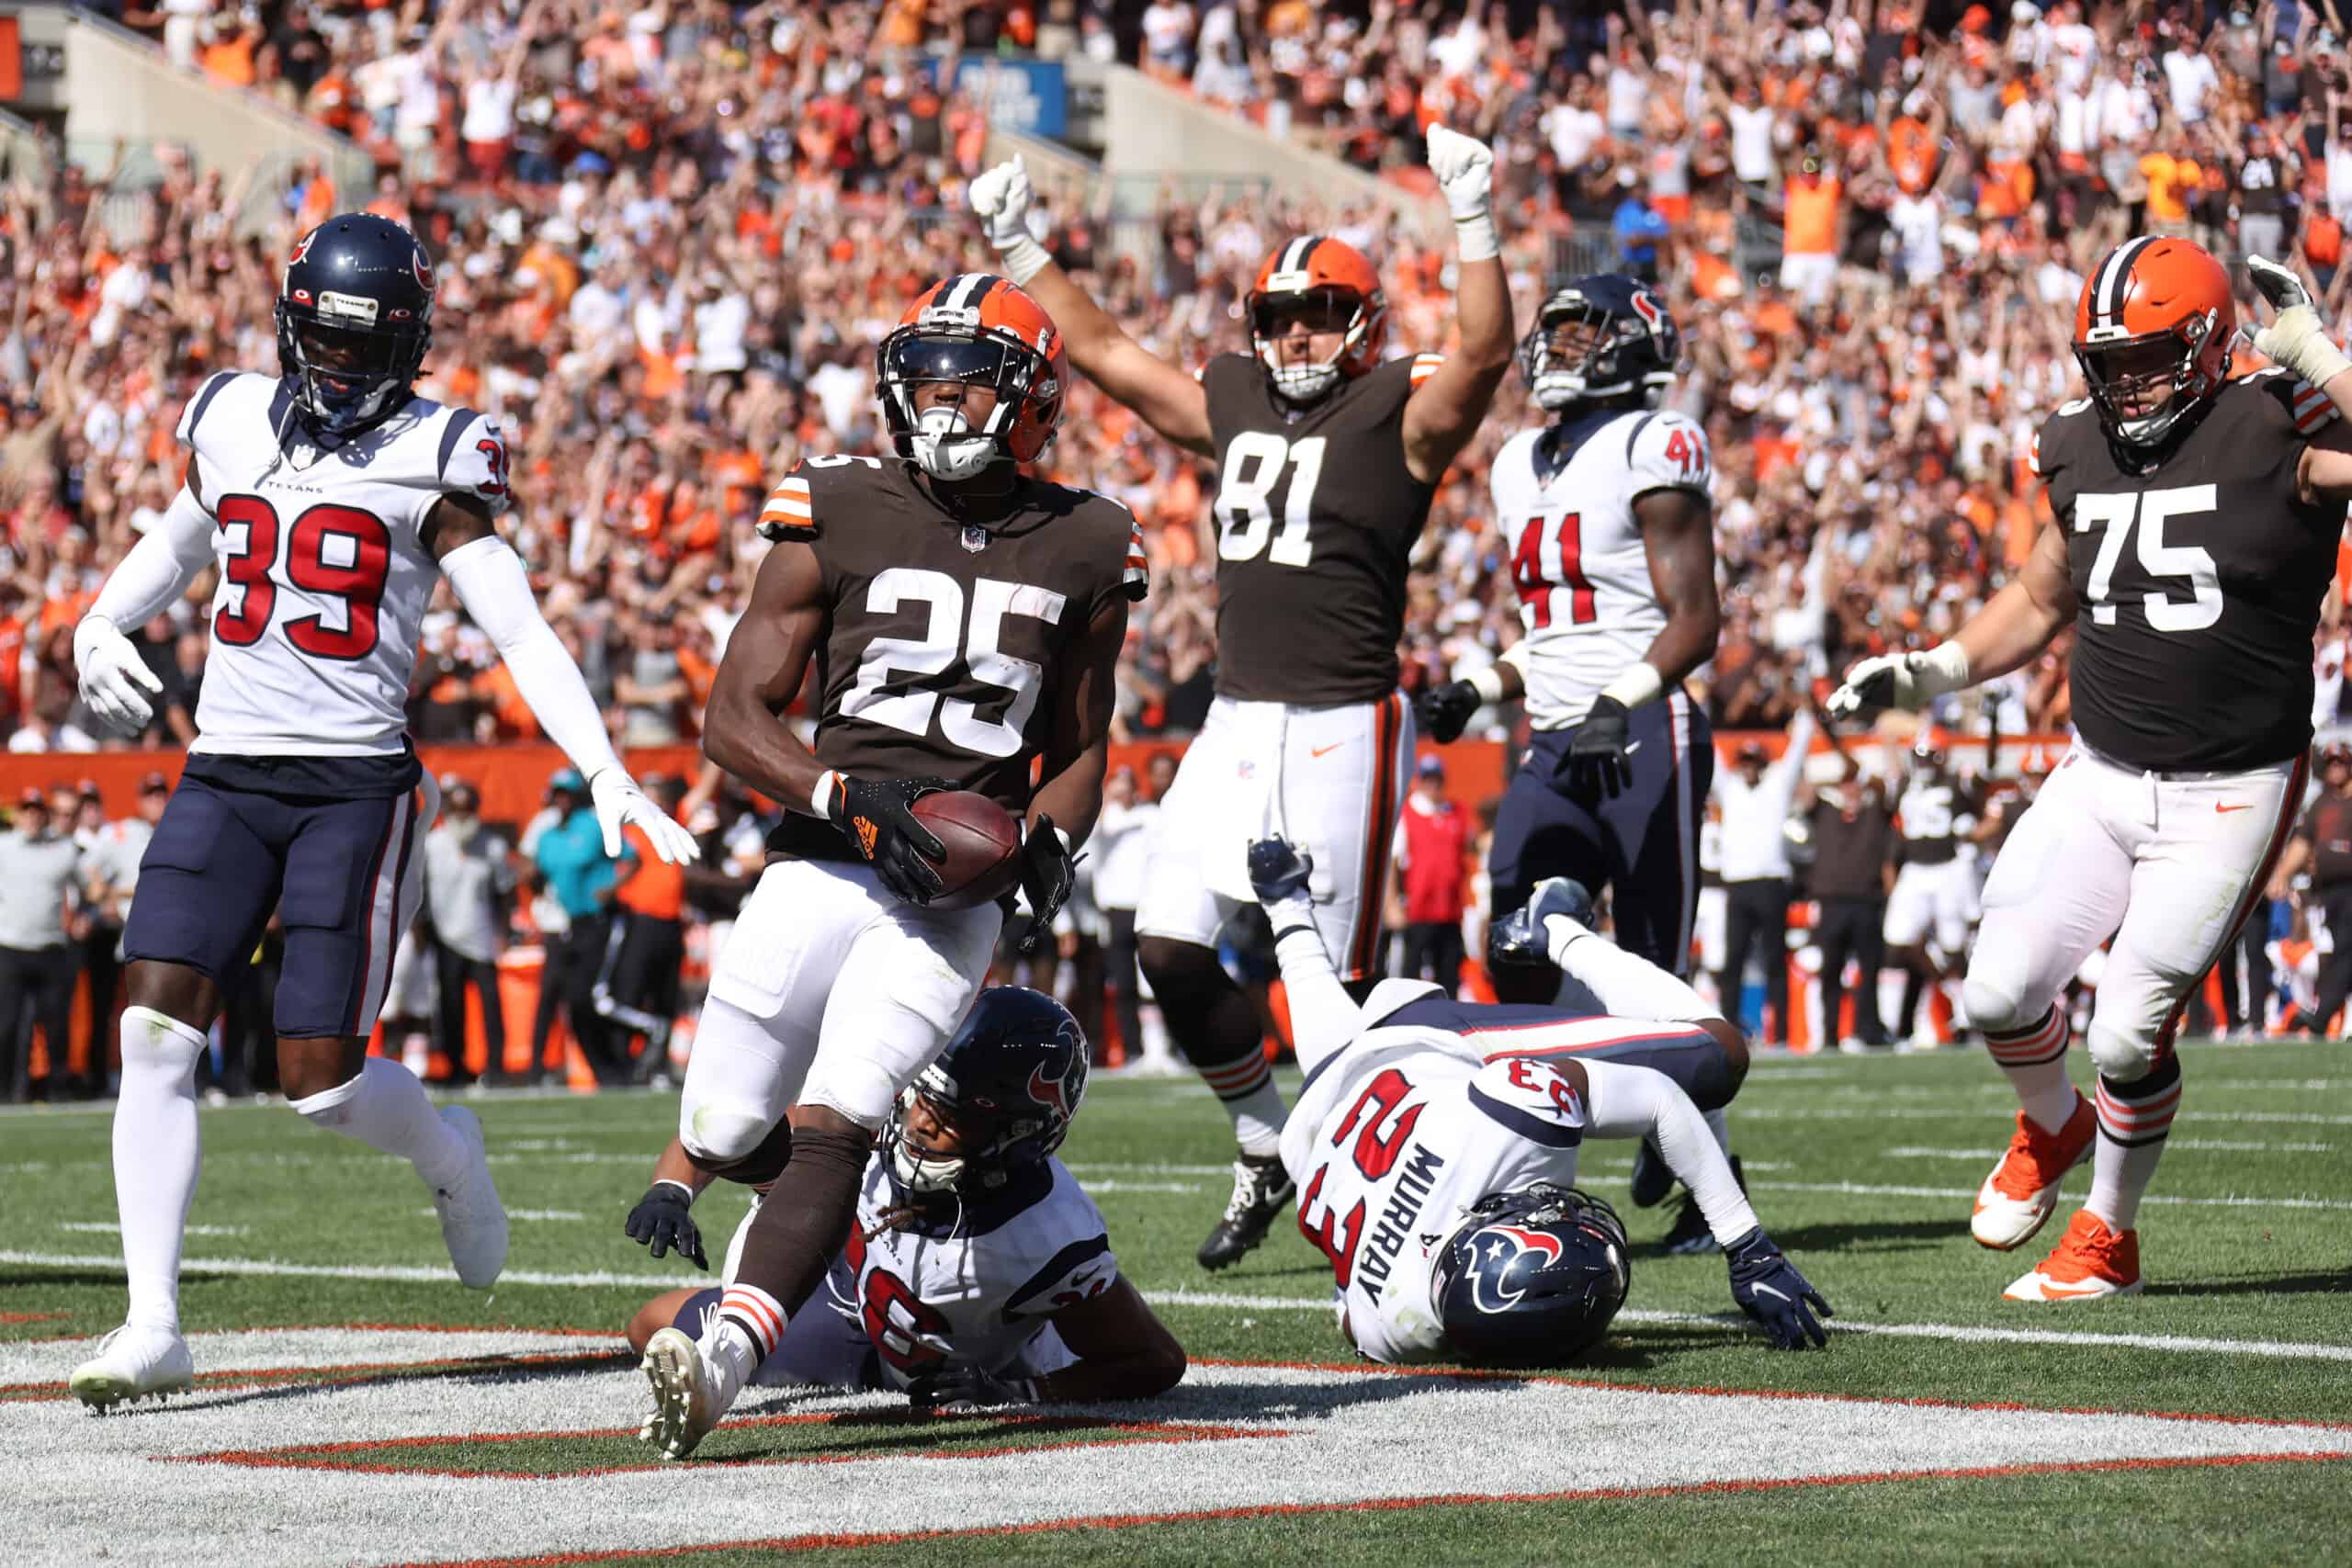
{"x": 983, "y": 845}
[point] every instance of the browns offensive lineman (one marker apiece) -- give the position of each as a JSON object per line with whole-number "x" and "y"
{"x": 963, "y": 620}
{"x": 2197, "y": 520}
{"x": 1327, "y": 460}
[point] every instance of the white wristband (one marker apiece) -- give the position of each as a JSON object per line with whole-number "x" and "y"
{"x": 821, "y": 798}
{"x": 1475, "y": 239}
{"x": 1488, "y": 684}
{"x": 1943, "y": 667}
{"x": 1637, "y": 683}
{"x": 1023, "y": 259}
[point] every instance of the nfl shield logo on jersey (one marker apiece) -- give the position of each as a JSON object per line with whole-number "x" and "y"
{"x": 976, "y": 538}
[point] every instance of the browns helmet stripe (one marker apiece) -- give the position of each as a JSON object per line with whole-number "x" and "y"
{"x": 2115, "y": 279}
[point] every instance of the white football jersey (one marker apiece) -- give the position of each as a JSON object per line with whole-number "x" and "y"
{"x": 1393, "y": 1138}
{"x": 1564, "y": 497}
{"x": 325, "y": 576}
{"x": 978, "y": 1285}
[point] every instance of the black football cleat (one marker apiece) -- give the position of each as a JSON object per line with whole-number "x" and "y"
{"x": 1690, "y": 1234}
{"x": 1262, "y": 1191}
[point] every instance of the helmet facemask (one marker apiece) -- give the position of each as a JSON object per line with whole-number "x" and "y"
{"x": 915, "y": 1161}
{"x": 2145, "y": 386}
{"x": 942, "y": 439}
{"x": 1576, "y": 353}
{"x": 346, "y": 372}
{"x": 1320, "y": 309}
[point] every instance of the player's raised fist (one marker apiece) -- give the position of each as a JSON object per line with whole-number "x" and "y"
{"x": 114, "y": 680}
{"x": 1465, "y": 168}
{"x": 1002, "y": 197}
{"x": 2296, "y": 337}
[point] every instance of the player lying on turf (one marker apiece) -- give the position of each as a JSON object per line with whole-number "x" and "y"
{"x": 1434, "y": 1142}
{"x": 978, "y": 1272}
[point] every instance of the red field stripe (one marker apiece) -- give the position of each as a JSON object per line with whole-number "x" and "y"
{"x": 1382, "y": 1504}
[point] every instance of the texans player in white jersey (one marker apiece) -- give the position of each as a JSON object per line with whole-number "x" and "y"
{"x": 332, "y": 500}
{"x": 1611, "y": 530}
{"x": 978, "y": 1271}
{"x": 1328, "y": 456}
{"x": 2196, "y": 524}
{"x": 1435, "y": 1142}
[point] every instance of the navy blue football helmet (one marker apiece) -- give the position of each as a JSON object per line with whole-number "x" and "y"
{"x": 354, "y": 317}
{"x": 1600, "y": 338}
{"x": 1531, "y": 1277}
{"x": 1010, "y": 1081}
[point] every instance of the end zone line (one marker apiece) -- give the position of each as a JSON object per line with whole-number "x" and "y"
{"x": 1953, "y": 1331}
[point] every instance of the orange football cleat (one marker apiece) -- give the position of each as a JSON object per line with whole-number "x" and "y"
{"x": 2022, "y": 1194}
{"x": 2092, "y": 1261}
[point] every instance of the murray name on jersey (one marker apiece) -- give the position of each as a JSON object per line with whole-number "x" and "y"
{"x": 2198, "y": 581}
{"x": 943, "y": 640}
{"x": 324, "y": 572}
{"x": 1316, "y": 514}
{"x": 1564, "y": 497}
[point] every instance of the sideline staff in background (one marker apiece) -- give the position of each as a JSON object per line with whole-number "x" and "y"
{"x": 2322, "y": 845}
{"x": 38, "y": 869}
{"x": 1755, "y": 801}
{"x": 466, "y": 873}
{"x": 1852, "y": 829}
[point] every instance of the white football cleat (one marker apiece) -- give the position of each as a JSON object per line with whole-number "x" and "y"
{"x": 2022, "y": 1194}
{"x": 474, "y": 1221}
{"x": 693, "y": 1384}
{"x": 133, "y": 1363}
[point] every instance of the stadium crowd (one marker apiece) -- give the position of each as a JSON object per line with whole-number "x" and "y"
{"x": 669, "y": 238}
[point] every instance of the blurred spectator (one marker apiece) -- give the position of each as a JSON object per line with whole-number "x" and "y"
{"x": 1756, "y": 795}
{"x": 580, "y": 878}
{"x": 39, "y": 867}
{"x": 110, "y": 872}
{"x": 638, "y": 975}
{"x": 1432, "y": 847}
{"x": 467, "y": 874}
{"x": 1851, "y": 829}
{"x": 1119, "y": 846}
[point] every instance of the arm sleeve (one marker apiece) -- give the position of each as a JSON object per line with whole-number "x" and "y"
{"x": 1626, "y": 984}
{"x": 1323, "y": 1019}
{"x": 159, "y": 568}
{"x": 1626, "y": 1101}
{"x": 490, "y": 583}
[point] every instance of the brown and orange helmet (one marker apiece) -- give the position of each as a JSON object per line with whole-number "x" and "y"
{"x": 1324, "y": 284}
{"x": 2155, "y": 318}
{"x": 982, "y": 330}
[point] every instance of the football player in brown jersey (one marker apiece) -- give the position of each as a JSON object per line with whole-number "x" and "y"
{"x": 1327, "y": 460}
{"x": 963, "y": 620}
{"x": 2196, "y": 525}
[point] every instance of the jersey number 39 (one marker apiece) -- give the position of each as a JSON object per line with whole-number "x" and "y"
{"x": 338, "y": 554}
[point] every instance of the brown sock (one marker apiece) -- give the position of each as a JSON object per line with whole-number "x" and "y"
{"x": 763, "y": 1165}
{"x": 805, "y": 1221}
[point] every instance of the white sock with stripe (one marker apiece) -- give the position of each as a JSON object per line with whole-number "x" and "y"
{"x": 157, "y": 1152}
{"x": 2034, "y": 1058}
{"x": 387, "y": 1109}
{"x": 753, "y": 1316}
{"x": 1246, "y": 1088}
{"x": 2134, "y": 1119}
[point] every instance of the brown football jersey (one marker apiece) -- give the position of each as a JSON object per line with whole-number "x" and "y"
{"x": 1315, "y": 514}
{"x": 943, "y": 640}
{"x": 2198, "y": 582}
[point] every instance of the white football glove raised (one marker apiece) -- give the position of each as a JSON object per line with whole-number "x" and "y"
{"x": 1465, "y": 168}
{"x": 115, "y": 681}
{"x": 1001, "y": 197}
{"x": 2295, "y": 338}
{"x": 1906, "y": 680}
{"x": 619, "y": 801}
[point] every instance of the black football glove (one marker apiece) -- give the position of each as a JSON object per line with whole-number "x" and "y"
{"x": 1520, "y": 938}
{"x": 1444, "y": 712}
{"x": 1279, "y": 871}
{"x": 967, "y": 1387}
{"x": 872, "y": 815}
{"x": 663, "y": 1221}
{"x": 1048, "y": 871}
{"x": 1770, "y": 1290}
{"x": 1597, "y": 762}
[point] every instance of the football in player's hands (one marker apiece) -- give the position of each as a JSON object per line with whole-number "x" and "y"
{"x": 1444, "y": 711}
{"x": 1769, "y": 1291}
{"x": 979, "y": 843}
{"x": 663, "y": 1221}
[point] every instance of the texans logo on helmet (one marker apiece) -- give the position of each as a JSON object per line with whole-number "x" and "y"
{"x": 1495, "y": 1252}
{"x": 1049, "y": 1091}
{"x": 1646, "y": 307}
{"x": 422, "y": 265}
